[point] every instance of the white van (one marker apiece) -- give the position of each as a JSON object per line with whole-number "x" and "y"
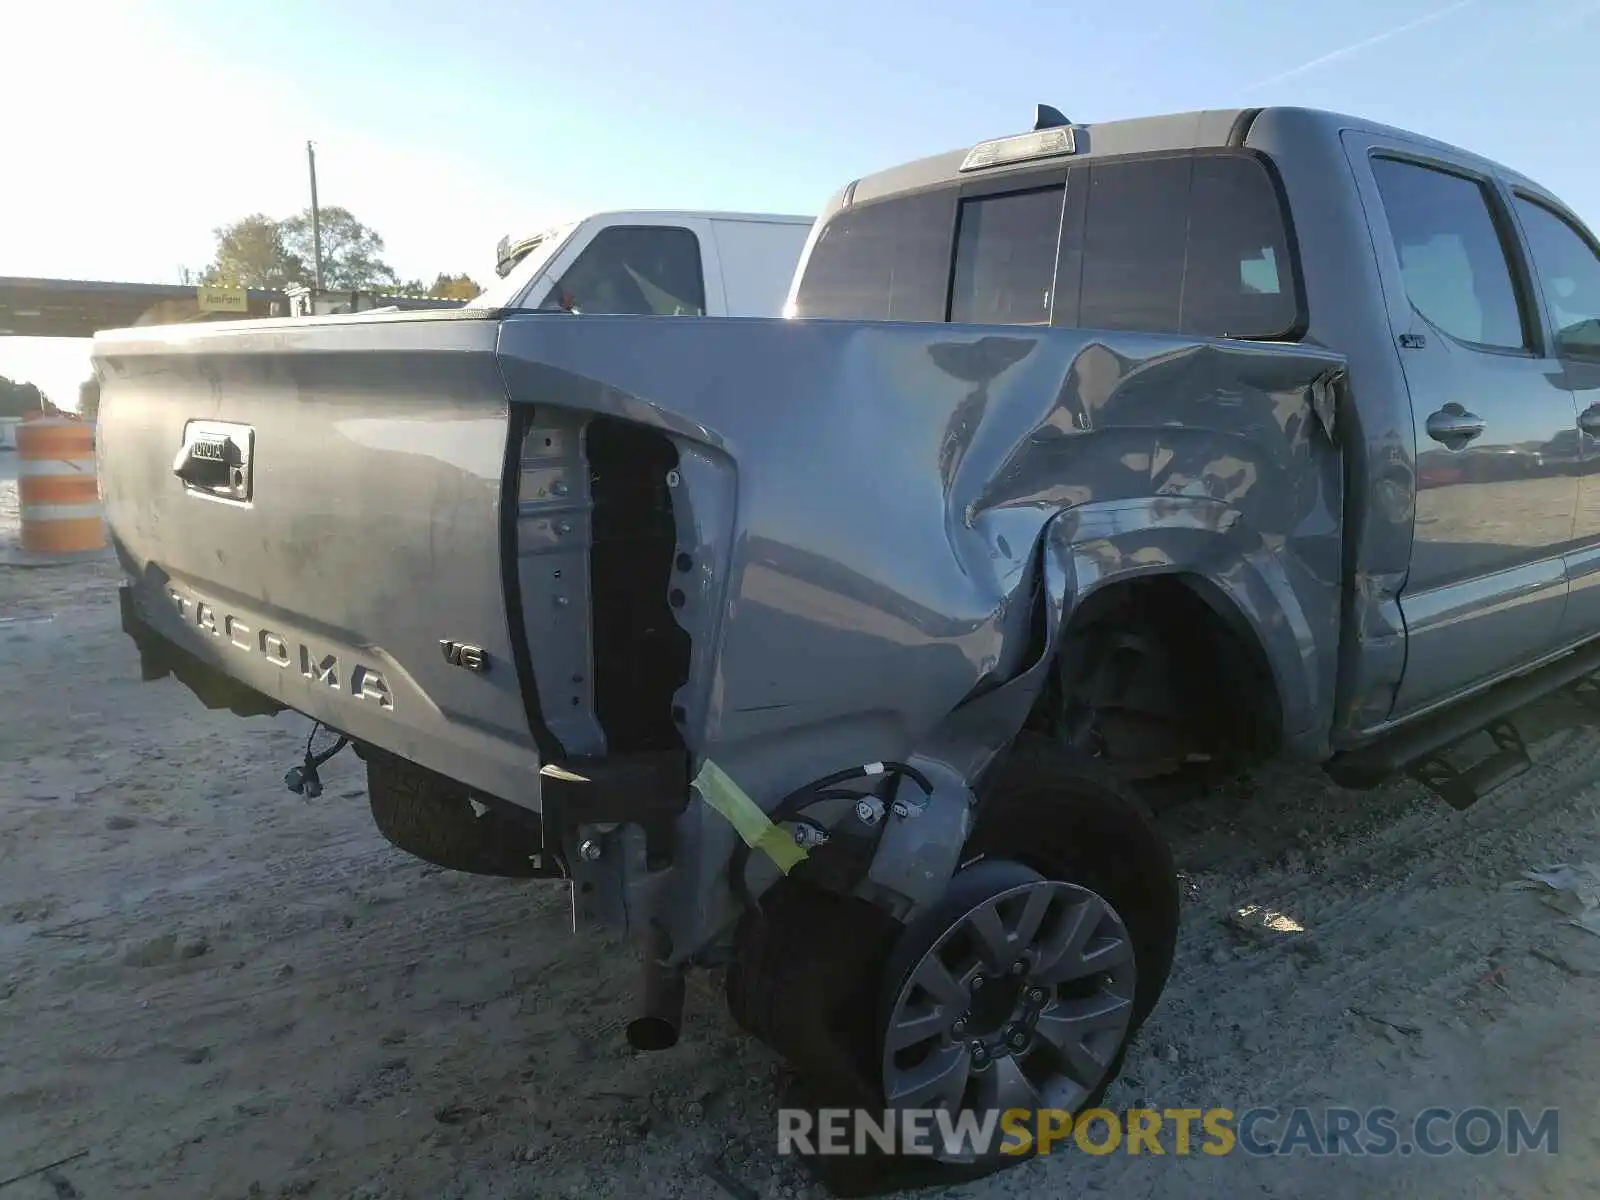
{"x": 653, "y": 263}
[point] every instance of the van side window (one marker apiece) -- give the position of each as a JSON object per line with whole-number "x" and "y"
{"x": 1006, "y": 258}
{"x": 642, "y": 270}
{"x": 1569, "y": 276}
{"x": 1452, "y": 258}
{"x": 1193, "y": 244}
{"x": 885, "y": 261}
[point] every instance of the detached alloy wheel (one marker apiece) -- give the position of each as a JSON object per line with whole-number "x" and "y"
{"x": 1020, "y": 988}
{"x": 1014, "y": 992}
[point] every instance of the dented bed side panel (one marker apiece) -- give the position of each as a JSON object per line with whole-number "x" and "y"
{"x": 892, "y": 486}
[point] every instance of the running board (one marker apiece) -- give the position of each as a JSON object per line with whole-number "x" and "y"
{"x": 1417, "y": 748}
{"x": 1463, "y": 787}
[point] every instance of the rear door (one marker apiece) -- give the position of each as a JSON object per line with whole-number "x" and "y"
{"x": 1487, "y": 584}
{"x": 1566, "y": 261}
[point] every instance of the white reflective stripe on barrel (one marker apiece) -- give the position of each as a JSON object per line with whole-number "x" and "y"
{"x": 59, "y": 512}
{"x": 57, "y": 466}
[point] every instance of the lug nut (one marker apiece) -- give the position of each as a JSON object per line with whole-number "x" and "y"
{"x": 589, "y": 851}
{"x": 1020, "y": 967}
{"x": 1019, "y": 1039}
{"x": 977, "y": 982}
{"x": 960, "y": 1027}
{"x": 980, "y": 1054}
{"x": 1036, "y": 995}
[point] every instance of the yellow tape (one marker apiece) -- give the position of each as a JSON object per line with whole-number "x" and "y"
{"x": 746, "y": 817}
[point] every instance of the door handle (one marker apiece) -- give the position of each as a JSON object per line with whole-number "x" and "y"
{"x": 1589, "y": 420}
{"x": 207, "y": 464}
{"x": 1454, "y": 426}
{"x": 215, "y": 459}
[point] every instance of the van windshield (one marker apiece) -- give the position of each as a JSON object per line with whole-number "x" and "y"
{"x": 505, "y": 293}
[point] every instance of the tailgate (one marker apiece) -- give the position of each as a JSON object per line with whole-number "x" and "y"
{"x": 318, "y": 509}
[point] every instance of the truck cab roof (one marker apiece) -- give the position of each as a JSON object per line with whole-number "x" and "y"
{"x": 1140, "y": 135}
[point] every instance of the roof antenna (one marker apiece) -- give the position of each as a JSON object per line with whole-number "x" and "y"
{"x": 1048, "y": 117}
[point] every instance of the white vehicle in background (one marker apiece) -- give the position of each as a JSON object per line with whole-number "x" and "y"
{"x": 653, "y": 263}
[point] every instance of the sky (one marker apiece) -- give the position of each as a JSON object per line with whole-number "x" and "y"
{"x": 134, "y": 130}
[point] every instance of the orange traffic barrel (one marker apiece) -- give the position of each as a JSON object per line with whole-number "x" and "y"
{"x": 57, "y": 489}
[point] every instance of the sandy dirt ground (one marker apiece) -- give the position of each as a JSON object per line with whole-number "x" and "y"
{"x": 210, "y": 987}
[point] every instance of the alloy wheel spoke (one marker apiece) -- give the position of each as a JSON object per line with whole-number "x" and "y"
{"x": 996, "y": 943}
{"x": 1061, "y": 954}
{"x": 910, "y": 1029}
{"x": 935, "y": 978}
{"x": 1033, "y": 915}
{"x": 938, "y": 1081}
{"x": 1105, "y": 954}
{"x": 1066, "y": 1025}
{"x": 1005, "y": 1085}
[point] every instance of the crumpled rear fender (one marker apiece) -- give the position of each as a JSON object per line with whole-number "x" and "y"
{"x": 876, "y": 516}
{"x": 872, "y": 500}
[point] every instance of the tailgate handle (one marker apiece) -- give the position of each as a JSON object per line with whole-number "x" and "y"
{"x": 215, "y": 461}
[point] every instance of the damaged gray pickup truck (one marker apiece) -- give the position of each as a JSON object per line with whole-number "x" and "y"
{"x": 834, "y": 649}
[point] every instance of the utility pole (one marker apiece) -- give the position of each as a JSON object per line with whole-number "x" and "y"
{"x": 316, "y": 222}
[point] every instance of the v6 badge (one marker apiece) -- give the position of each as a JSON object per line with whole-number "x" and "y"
{"x": 464, "y": 654}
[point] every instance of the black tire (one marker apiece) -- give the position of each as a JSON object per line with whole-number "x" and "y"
{"x": 432, "y": 817}
{"x": 815, "y": 1009}
{"x": 807, "y": 973}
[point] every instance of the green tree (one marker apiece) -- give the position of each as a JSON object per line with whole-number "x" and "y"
{"x": 262, "y": 252}
{"x": 454, "y": 287}
{"x": 352, "y": 253}
{"x": 20, "y": 399}
{"x": 254, "y": 253}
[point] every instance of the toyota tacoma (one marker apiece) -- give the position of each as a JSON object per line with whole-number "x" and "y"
{"x": 834, "y": 649}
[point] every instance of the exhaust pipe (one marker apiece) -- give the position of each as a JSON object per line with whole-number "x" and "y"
{"x": 661, "y": 1016}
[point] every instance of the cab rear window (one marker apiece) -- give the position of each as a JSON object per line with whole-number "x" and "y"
{"x": 881, "y": 262}
{"x": 1193, "y": 244}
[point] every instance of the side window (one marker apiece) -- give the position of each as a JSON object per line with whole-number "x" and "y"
{"x": 887, "y": 261}
{"x": 1452, "y": 258}
{"x": 1135, "y": 239}
{"x": 1194, "y": 244}
{"x": 1569, "y": 276}
{"x": 1239, "y": 281}
{"x": 1006, "y": 258}
{"x": 642, "y": 270}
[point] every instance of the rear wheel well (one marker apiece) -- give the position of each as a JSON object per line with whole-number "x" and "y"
{"x": 1161, "y": 676}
